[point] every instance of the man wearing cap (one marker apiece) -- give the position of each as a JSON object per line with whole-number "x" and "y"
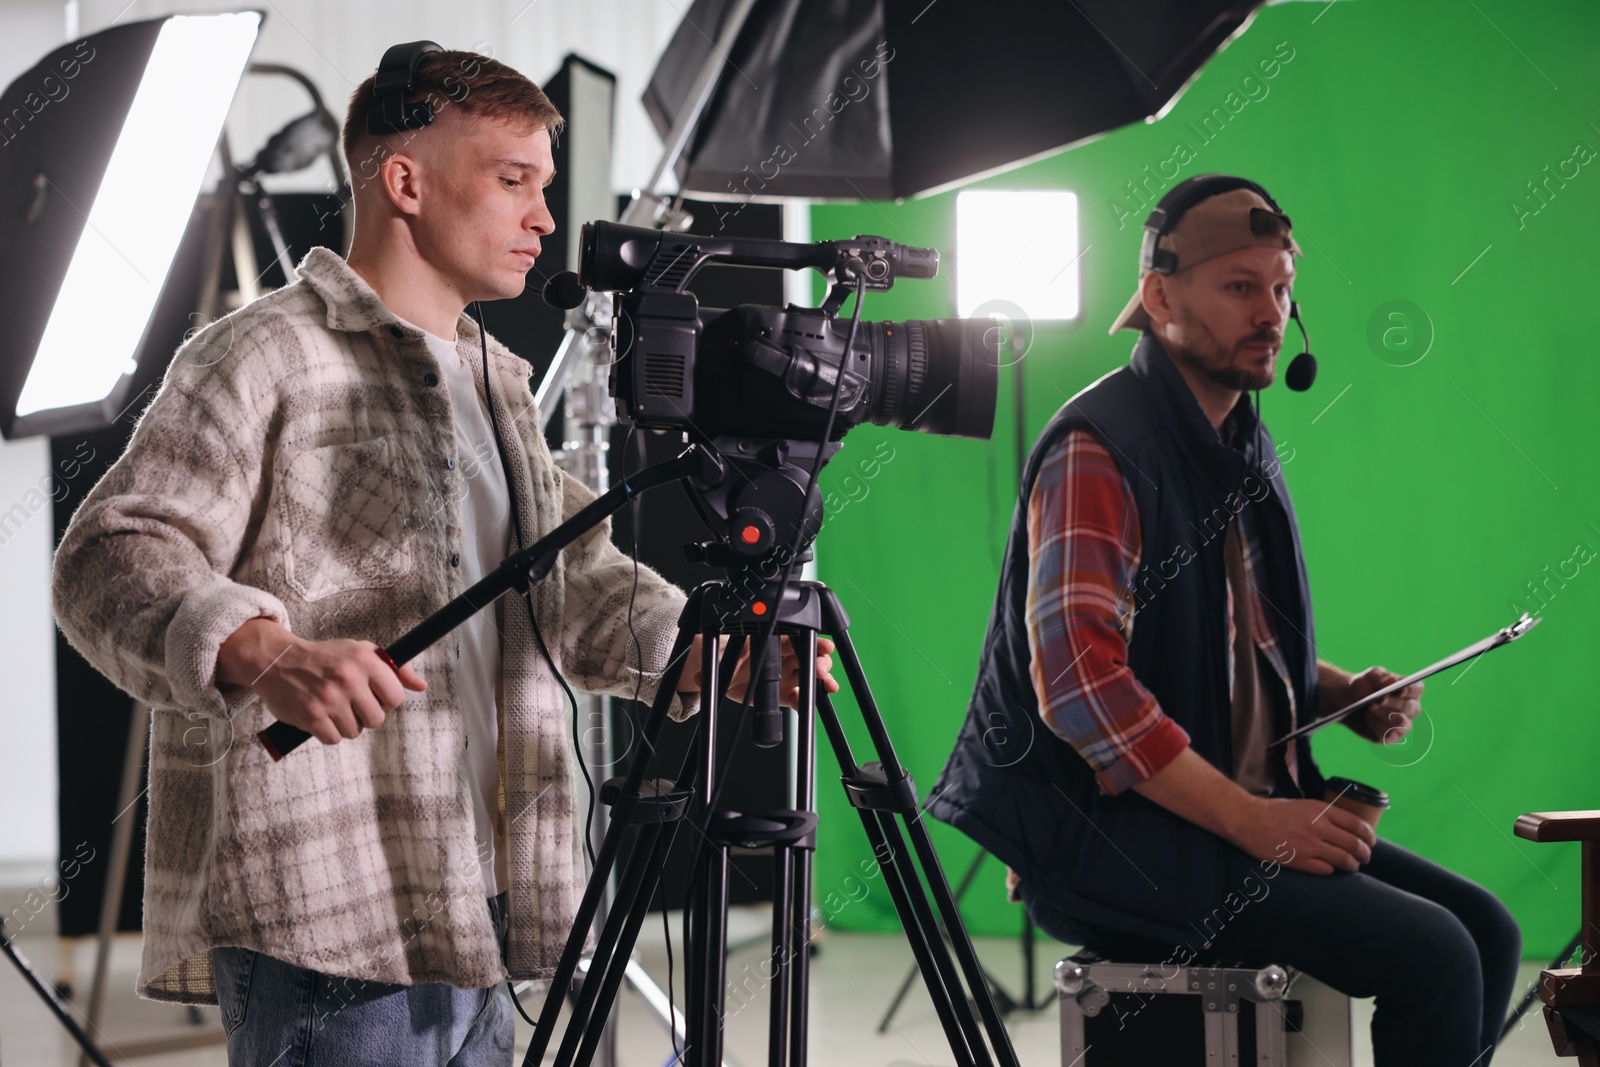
{"x": 1154, "y": 616}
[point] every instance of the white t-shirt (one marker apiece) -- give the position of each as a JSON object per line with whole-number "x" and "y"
{"x": 486, "y": 540}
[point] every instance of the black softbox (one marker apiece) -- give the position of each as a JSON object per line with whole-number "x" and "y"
{"x": 885, "y": 99}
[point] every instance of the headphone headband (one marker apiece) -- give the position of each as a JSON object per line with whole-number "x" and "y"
{"x": 1173, "y": 206}
{"x": 396, "y": 77}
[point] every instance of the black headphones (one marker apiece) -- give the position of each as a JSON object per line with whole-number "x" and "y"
{"x": 397, "y": 76}
{"x": 1302, "y": 370}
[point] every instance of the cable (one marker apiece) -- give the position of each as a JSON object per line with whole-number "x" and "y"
{"x": 635, "y": 519}
{"x": 634, "y": 501}
{"x": 766, "y": 636}
{"x": 695, "y": 872}
{"x": 527, "y": 592}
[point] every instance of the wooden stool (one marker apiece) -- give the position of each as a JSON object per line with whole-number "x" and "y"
{"x": 1566, "y": 988}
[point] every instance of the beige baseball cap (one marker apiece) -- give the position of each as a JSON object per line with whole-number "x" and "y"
{"x": 1217, "y": 225}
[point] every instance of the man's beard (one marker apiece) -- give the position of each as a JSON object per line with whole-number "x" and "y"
{"x": 1206, "y": 353}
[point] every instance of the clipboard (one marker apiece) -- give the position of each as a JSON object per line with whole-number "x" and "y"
{"x": 1495, "y": 640}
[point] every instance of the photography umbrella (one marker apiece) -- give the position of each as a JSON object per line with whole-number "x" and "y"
{"x": 886, "y": 99}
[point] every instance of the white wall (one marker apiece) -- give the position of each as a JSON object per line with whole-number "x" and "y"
{"x": 337, "y": 43}
{"x": 28, "y": 29}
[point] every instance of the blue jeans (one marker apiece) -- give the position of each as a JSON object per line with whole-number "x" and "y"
{"x": 1438, "y": 952}
{"x": 280, "y": 1015}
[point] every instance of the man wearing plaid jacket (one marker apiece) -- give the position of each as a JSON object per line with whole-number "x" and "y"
{"x": 317, "y": 474}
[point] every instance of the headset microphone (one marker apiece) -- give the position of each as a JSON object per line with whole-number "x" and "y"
{"x": 1303, "y": 368}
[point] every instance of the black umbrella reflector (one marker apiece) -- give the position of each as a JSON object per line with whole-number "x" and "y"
{"x": 886, "y": 99}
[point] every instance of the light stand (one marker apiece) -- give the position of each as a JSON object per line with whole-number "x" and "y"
{"x": 57, "y": 1006}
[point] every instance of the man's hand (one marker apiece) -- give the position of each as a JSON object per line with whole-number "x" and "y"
{"x": 740, "y": 682}
{"x": 1304, "y": 835}
{"x": 330, "y": 689}
{"x": 1389, "y": 720}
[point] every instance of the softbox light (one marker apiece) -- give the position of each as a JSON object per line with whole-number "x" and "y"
{"x": 104, "y": 146}
{"x": 886, "y": 99}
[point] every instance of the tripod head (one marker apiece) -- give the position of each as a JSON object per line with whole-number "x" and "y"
{"x": 763, "y": 521}
{"x": 760, "y": 516}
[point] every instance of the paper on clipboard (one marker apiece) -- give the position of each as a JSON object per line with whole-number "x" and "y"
{"x": 1494, "y": 640}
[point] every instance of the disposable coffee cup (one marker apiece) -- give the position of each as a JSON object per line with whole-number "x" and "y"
{"x": 1358, "y": 798}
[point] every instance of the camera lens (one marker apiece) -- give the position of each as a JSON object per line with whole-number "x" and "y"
{"x": 936, "y": 376}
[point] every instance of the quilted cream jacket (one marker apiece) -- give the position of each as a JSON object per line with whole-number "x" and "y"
{"x": 299, "y": 464}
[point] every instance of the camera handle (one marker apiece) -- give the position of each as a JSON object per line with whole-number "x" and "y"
{"x": 650, "y": 810}
{"x": 519, "y": 570}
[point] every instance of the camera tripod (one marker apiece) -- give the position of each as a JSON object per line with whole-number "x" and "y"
{"x": 881, "y": 792}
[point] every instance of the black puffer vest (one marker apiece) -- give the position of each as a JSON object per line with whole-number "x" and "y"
{"x": 1123, "y": 863}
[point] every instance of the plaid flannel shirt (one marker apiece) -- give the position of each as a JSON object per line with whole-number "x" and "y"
{"x": 1084, "y": 551}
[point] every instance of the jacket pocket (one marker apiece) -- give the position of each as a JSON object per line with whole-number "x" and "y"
{"x": 346, "y": 523}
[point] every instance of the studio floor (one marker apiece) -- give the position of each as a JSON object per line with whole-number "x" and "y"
{"x": 854, "y": 978}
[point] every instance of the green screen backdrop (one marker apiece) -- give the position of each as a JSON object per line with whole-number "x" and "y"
{"x": 1431, "y": 152}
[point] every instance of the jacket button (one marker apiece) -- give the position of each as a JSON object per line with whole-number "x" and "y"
{"x": 430, "y": 379}
{"x": 455, "y": 559}
{"x": 449, "y": 463}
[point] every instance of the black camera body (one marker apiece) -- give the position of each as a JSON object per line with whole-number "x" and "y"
{"x": 774, "y": 390}
{"x": 769, "y": 372}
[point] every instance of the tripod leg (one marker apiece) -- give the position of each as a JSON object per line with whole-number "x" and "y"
{"x": 611, "y": 950}
{"x": 916, "y": 910}
{"x": 911, "y": 975}
{"x": 708, "y": 946}
{"x": 805, "y": 800}
{"x": 711, "y": 952}
{"x": 959, "y": 1033}
{"x": 606, "y": 859}
{"x": 957, "y": 931}
{"x": 57, "y": 1006}
{"x": 783, "y": 870}
{"x": 928, "y": 859}
{"x": 607, "y": 994}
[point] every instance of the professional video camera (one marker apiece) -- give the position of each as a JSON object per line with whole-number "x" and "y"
{"x": 769, "y": 387}
{"x": 763, "y": 397}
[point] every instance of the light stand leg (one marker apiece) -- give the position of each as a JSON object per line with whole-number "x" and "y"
{"x": 117, "y": 869}
{"x": 58, "y": 1007}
